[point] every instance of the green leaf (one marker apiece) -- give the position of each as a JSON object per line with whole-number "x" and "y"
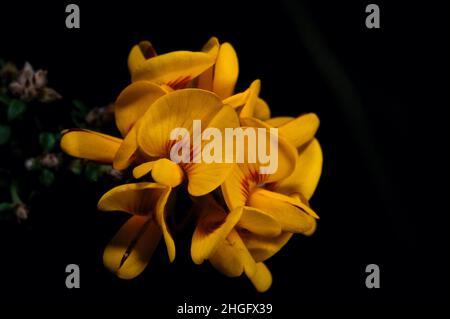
{"x": 92, "y": 172}
{"x": 4, "y": 99}
{"x": 5, "y": 134}
{"x": 76, "y": 166}
{"x": 47, "y": 141}
{"x": 47, "y": 177}
{"x": 16, "y": 109}
{"x": 6, "y": 207}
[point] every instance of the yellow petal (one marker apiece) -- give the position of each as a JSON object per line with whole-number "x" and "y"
{"x": 213, "y": 226}
{"x": 143, "y": 169}
{"x": 177, "y": 109}
{"x": 205, "y": 80}
{"x": 205, "y": 177}
{"x": 262, "y": 278}
{"x": 132, "y": 103}
{"x": 237, "y": 100}
{"x": 300, "y": 130}
{"x": 287, "y": 154}
{"x": 90, "y": 145}
{"x": 232, "y": 256}
{"x": 128, "y": 253}
{"x": 137, "y": 198}
{"x": 174, "y": 69}
{"x": 244, "y": 176}
{"x": 262, "y": 110}
{"x": 307, "y": 172}
{"x": 292, "y": 218}
{"x": 161, "y": 215}
{"x": 126, "y": 153}
{"x": 226, "y": 71}
{"x": 249, "y": 108}
{"x": 237, "y": 187}
{"x": 279, "y": 121}
{"x": 166, "y": 172}
{"x": 139, "y": 54}
{"x": 262, "y": 247}
{"x": 257, "y": 221}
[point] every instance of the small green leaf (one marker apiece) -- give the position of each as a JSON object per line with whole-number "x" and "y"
{"x": 47, "y": 177}
{"x": 16, "y": 109}
{"x": 5, "y": 134}
{"x": 4, "y": 99}
{"x": 76, "y": 166}
{"x": 47, "y": 141}
{"x": 92, "y": 172}
{"x": 6, "y": 207}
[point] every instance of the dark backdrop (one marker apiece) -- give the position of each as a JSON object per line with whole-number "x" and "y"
{"x": 381, "y": 95}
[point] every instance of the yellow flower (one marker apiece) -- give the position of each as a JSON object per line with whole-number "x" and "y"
{"x": 220, "y": 78}
{"x": 175, "y": 69}
{"x": 129, "y": 252}
{"x": 217, "y": 238}
{"x": 264, "y": 210}
{"x": 129, "y": 108}
{"x": 254, "y": 214}
{"x": 249, "y": 104}
{"x": 178, "y": 110}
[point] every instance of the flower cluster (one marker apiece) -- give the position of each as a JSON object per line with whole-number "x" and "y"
{"x": 243, "y": 216}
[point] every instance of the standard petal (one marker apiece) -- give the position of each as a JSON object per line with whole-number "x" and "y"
{"x": 262, "y": 278}
{"x": 129, "y": 252}
{"x": 226, "y": 71}
{"x": 177, "y": 109}
{"x": 174, "y": 69}
{"x": 133, "y": 102}
{"x": 300, "y": 130}
{"x": 137, "y": 198}
{"x": 204, "y": 177}
{"x": 307, "y": 172}
{"x": 292, "y": 218}
{"x": 213, "y": 226}
{"x": 90, "y": 145}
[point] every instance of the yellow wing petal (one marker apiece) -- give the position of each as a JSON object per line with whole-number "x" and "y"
{"x": 307, "y": 172}
{"x": 232, "y": 256}
{"x": 226, "y": 71}
{"x": 262, "y": 247}
{"x": 205, "y": 80}
{"x": 292, "y": 218}
{"x": 262, "y": 278}
{"x": 213, "y": 226}
{"x": 300, "y": 130}
{"x": 139, "y": 54}
{"x": 129, "y": 252}
{"x": 90, "y": 145}
{"x": 137, "y": 198}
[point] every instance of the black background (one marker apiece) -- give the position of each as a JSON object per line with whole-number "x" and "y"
{"x": 381, "y": 95}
